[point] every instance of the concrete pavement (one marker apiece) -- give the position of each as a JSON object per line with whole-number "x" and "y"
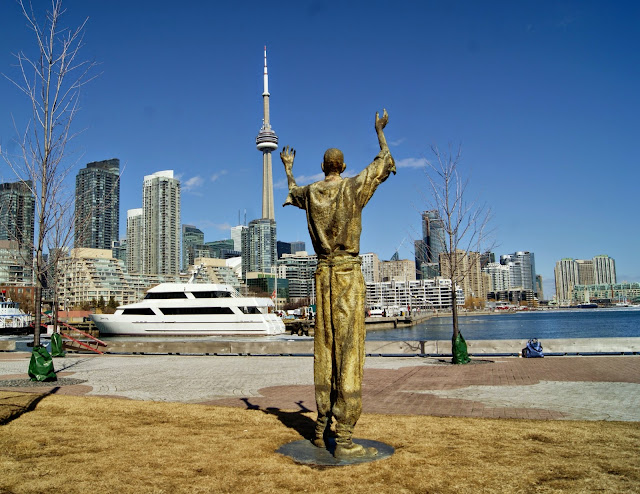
{"x": 580, "y": 388}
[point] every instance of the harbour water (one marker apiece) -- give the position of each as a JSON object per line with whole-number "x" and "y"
{"x": 550, "y": 324}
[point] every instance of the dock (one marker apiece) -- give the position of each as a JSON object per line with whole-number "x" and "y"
{"x": 304, "y": 327}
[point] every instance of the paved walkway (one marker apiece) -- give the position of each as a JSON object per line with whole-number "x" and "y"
{"x": 582, "y": 388}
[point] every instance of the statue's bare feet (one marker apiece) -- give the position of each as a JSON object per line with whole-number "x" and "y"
{"x": 318, "y": 442}
{"x": 323, "y": 432}
{"x": 353, "y": 450}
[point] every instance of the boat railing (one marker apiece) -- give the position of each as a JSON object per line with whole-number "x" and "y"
{"x": 96, "y": 341}
{"x": 82, "y": 344}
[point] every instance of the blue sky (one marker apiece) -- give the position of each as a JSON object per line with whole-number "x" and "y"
{"x": 542, "y": 96}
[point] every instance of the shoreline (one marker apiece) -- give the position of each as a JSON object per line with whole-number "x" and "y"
{"x": 303, "y": 347}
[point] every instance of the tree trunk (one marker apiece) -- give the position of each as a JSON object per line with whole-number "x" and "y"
{"x": 458, "y": 345}
{"x": 454, "y": 312}
{"x": 54, "y": 310}
{"x": 37, "y": 304}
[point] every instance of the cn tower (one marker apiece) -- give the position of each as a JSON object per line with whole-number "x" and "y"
{"x": 266, "y": 142}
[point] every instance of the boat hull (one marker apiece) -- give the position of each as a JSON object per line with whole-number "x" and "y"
{"x": 16, "y": 331}
{"x": 108, "y": 324}
{"x": 192, "y": 309}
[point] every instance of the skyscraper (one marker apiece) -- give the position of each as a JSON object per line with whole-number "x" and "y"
{"x": 259, "y": 247}
{"x": 420, "y": 250}
{"x": 300, "y": 269}
{"x": 191, "y": 236}
{"x": 370, "y": 267}
{"x": 569, "y": 273}
{"x": 604, "y": 270}
{"x": 466, "y": 270}
{"x": 566, "y": 275}
{"x": 221, "y": 249}
{"x": 432, "y": 244}
{"x": 539, "y": 289}
{"x": 397, "y": 270}
{"x": 236, "y": 236}
{"x": 16, "y": 233}
{"x": 134, "y": 240}
{"x": 119, "y": 251}
{"x": 267, "y": 141}
{"x": 486, "y": 258}
{"x": 522, "y": 270}
{"x": 585, "y": 271}
{"x": 498, "y": 275}
{"x": 433, "y": 235}
{"x": 97, "y": 218}
{"x": 161, "y": 224}
{"x": 17, "y": 213}
{"x": 289, "y": 247}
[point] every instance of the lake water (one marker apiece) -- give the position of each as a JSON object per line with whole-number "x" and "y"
{"x": 551, "y": 324}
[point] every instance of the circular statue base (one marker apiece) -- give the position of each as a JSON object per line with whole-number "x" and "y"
{"x": 304, "y": 451}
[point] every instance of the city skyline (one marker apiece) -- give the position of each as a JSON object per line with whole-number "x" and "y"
{"x": 514, "y": 273}
{"x": 542, "y": 101}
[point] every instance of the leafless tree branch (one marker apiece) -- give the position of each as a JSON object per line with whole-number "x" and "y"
{"x": 51, "y": 80}
{"x": 465, "y": 221}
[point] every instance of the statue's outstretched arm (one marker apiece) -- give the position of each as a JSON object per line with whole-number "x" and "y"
{"x": 384, "y": 148}
{"x": 287, "y": 156}
{"x": 381, "y": 124}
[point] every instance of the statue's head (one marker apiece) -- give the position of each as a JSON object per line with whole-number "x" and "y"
{"x": 333, "y": 161}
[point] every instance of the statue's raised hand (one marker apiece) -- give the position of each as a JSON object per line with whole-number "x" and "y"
{"x": 287, "y": 156}
{"x": 381, "y": 122}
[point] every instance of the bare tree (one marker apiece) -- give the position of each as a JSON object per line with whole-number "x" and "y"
{"x": 58, "y": 243}
{"x": 465, "y": 231}
{"x": 51, "y": 81}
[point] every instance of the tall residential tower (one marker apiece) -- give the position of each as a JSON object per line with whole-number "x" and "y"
{"x": 97, "y": 213}
{"x": 161, "y": 224}
{"x": 191, "y": 238}
{"x": 134, "y": 240}
{"x": 17, "y": 205}
{"x": 432, "y": 244}
{"x": 259, "y": 249}
{"x": 588, "y": 274}
{"x": 522, "y": 270}
{"x": 604, "y": 269}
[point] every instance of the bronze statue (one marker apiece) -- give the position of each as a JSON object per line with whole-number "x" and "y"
{"x": 334, "y": 210}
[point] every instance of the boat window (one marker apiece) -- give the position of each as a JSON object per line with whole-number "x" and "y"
{"x": 250, "y": 310}
{"x": 144, "y": 311}
{"x": 212, "y": 294}
{"x": 165, "y": 295}
{"x": 180, "y": 311}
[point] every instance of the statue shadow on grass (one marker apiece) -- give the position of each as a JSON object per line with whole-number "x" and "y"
{"x": 11, "y": 411}
{"x": 296, "y": 420}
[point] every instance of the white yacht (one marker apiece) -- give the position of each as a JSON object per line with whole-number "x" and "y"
{"x": 192, "y": 309}
{"x": 12, "y": 318}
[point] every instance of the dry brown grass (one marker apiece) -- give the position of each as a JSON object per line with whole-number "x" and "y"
{"x": 88, "y": 444}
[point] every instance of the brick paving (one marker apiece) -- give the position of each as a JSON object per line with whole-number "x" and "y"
{"x": 585, "y": 388}
{"x": 448, "y": 390}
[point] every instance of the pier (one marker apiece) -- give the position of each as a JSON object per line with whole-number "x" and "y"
{"x": 304, "y": 327}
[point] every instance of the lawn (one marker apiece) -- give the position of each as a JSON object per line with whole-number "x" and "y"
{"x": 70, "y": 444}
